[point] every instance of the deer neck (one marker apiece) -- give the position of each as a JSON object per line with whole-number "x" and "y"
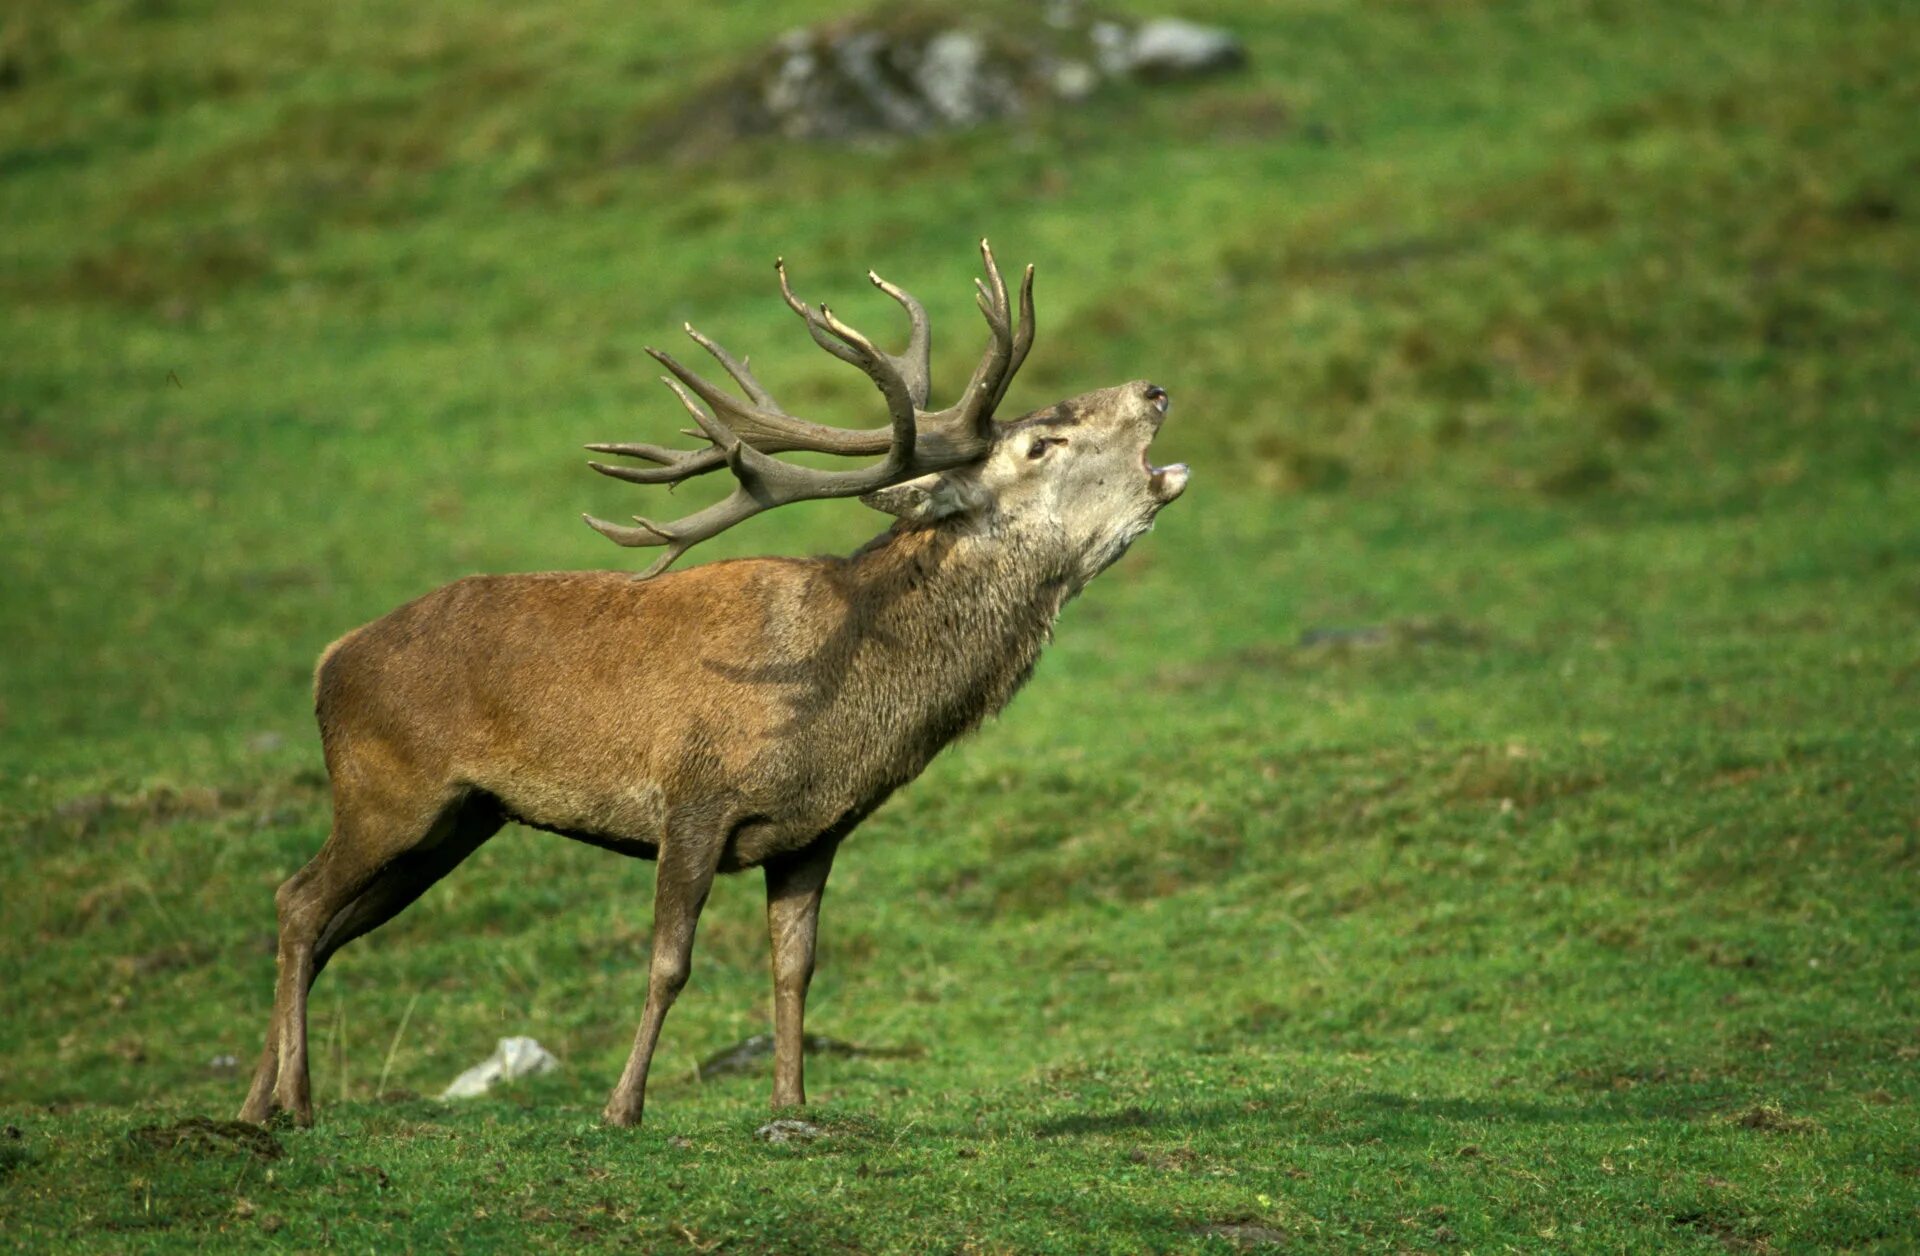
{"x": 947, "y": 623}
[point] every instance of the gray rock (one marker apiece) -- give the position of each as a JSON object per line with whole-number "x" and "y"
{"x": 910, "y": 70}
{"x": 858, "y": 57}
{"x": 951, "y": 76}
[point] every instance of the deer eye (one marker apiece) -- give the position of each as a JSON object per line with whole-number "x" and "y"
{"x": 1038, "y": 448}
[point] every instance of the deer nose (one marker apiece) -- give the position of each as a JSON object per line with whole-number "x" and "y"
{"x": 1158, "y": 397}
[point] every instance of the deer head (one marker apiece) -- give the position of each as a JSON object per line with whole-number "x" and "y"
{"x": 1074, "y": 475}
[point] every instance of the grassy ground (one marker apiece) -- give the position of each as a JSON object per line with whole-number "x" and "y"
{"x": 1483, "y": 814}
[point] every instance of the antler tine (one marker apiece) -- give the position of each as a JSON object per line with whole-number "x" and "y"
{"x": 914, "y": 362}
{"x": 1006, "y": 348}
{"x": 882, "y": 368}
{"x": 1022, "y": 338}
{"x": 736, "y": 368}
{"x": 722, "y": 436}
{"x": 767, "y": 427}
{"x": 675, "y": 464}
{"x": 763, "y": 482}
{"x": 635, "y": 449}
{"x": 645, "y": 534}
{"x": 719, "y": 400}
{"x": 993, "y": 273}
{"x": 903, "y": 378}
{"x": 815, "y": 327}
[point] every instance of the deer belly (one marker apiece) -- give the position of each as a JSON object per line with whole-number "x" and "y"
{"x": 631, "y": 815}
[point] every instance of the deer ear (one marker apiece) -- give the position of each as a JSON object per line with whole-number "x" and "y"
{"x": 925, "y": 500}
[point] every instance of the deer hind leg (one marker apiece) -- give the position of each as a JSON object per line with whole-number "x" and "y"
{"x": 795, "y": 885}
{"x": 688, "y": 858}
{"x": 456, "y": 833}
{"x": 285, "y": 1055}
{"x": 305, "y": 902}
{"x": 370, "y": 868}
{"x": 259, "y": 1102}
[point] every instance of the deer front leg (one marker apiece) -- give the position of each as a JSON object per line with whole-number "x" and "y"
{"x": 688, "y": 858}
{"x": 795, "y": 884}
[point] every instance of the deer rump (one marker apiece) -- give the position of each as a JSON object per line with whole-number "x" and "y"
{"x": 735, "y": 715}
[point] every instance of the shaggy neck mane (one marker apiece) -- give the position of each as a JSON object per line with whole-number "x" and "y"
{"x": 945, "y": 623}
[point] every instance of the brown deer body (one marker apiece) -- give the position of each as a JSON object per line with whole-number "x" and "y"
{"x": 737, "y": 715}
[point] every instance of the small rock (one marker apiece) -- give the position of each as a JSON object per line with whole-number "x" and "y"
{"x": 512, "y": 1058}
{"x": 1168, "y": 47}
{"x": 223, "y": 1063}
{"x": 789, "y": 1131}
{"x": 265, "y": 742}
{"x": 1074, "y": 80}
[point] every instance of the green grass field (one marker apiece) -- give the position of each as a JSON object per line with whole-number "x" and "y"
{"x": 1484, "y": 815}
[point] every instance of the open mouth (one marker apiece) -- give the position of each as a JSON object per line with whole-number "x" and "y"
{"x": 1165, "y": 483}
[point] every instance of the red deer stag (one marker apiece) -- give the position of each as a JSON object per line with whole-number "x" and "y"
{"x": 744, "y": 714}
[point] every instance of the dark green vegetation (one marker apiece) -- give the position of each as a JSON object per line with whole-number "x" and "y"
{"x": 1483, "y": 814}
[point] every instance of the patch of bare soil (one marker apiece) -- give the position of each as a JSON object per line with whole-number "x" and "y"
{"x": 1244, "y": 1235}
{"x": 200, "y": 1135}
{"x": 1772, "y": 1119}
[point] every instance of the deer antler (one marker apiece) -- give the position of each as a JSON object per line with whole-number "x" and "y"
{"x": 743, "y": 434}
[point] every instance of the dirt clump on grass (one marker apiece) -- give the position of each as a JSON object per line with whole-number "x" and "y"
{"x": 199, "y": 1135}
{"x": 1770, "y": 1118}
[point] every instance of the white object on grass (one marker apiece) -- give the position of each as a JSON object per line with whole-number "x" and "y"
{"x": 512, "y": 1058}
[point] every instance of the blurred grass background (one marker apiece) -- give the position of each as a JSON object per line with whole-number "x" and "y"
{"x": 1483, "y": 812}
